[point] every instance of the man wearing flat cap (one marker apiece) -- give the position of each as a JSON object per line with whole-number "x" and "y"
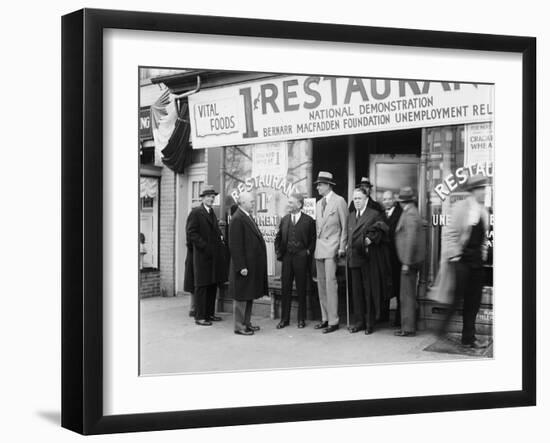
{"x": 209, "y": 264}
{"x": 332, "y": 236}
{"x": 466, "y": 250}
{"x": 410, "y": 242}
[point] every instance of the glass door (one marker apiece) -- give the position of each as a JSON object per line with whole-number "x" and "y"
{"x": 392, "y": 172}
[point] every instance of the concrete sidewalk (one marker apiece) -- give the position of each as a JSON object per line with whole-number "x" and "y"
{"x": 172, "y": 343}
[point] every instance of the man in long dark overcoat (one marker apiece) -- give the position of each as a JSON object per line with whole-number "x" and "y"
{"x": 368, "y": 261}
{"x": 209, "y": 265}
{"x": 248, "y": 267}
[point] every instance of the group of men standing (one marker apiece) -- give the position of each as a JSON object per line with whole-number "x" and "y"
{"x": 382, "y": 248}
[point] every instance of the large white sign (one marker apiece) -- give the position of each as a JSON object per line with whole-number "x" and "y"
{"x": 270, "y": 158}
{"x": 297, "y": 107}
{"x": 479, "y": 144}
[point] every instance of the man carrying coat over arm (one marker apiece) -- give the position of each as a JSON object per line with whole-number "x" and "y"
{"x": 209, "y": 267}
{"x": 248, "y": 268}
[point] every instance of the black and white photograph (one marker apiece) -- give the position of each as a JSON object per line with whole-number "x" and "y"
{"x": 297, "y": 221}
{"x": 275, "y": 222}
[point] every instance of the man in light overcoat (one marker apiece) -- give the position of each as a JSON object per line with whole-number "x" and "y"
{"x": 465, "y": 253}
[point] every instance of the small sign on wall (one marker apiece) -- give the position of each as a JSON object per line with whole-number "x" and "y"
{"x": 309, "y": 206}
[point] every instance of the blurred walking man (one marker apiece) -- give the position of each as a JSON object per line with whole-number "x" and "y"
{"x": 466, "y": 251}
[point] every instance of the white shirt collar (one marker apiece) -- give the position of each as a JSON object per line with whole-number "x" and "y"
{"x": 207, "y": 208}
{"x": 244, "y": 211}
{"x": 327, "y": 197}
{"x": 390, "y": 211}
{"x": 296, "y": 216}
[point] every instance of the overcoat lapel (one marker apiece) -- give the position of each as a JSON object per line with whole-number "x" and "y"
{"x": 207, "y": 215}
{"x": 366, "y": 216}
{"x": 251, "y": 225}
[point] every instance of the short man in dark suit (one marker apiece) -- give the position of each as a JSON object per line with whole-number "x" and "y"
{"x": 295, "y": 245}
{"x": 248, "y": 268}
{"x": 209, "y": 266}
{"x": 393, "y": 212}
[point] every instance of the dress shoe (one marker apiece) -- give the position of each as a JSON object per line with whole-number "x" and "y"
{"x": 330, "y": 329}
{"x": 214, "y": 318}
{"x": 321, "y": 325}
{"x": 401, "y": 333}
{"x": 369, "y": 331}
{"x": 203, "y": 322}
{"x": 354, "y": 329}
{"x": 476, "y": 344}
{"x": 244, "y": 332}
{"x": 282, "y": 324}
{"x": 252, "y": 328}
{"x": 301, "y": 324}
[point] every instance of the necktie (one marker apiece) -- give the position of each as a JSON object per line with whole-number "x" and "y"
{"x": 323, "y": 205}
{"x": 358, "y": 215}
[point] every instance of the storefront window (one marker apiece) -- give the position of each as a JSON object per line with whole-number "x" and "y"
{"x": 272, "y": 171}
{"x": 454, "y": 153}
{"x": 148, "y": 234}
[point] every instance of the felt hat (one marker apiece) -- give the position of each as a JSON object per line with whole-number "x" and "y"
{"x": 406, "y": 194}
{"x": 365, "y": 181}
{"x": 208, "y": 190}
{"x": 325, "y": 177}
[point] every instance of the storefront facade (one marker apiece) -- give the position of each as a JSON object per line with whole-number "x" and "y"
{"x": 272, "y": 134}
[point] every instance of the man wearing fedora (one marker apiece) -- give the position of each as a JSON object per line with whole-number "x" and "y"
{"x": 393, "y": 213}
{"x": 466, "y": 250}
{"x": 331, "y": 223}
{"x": 410, "y": 242}
{"x": 209, "y": 264}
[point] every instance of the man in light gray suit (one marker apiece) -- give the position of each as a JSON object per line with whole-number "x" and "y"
{"x": 332, "y": 236}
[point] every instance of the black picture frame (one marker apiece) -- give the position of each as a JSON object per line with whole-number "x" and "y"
{"x": 82, "y": 215}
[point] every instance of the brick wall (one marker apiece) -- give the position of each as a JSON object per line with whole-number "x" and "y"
{"x": 167, "y": 232}
{"x": 149, "y": 284}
